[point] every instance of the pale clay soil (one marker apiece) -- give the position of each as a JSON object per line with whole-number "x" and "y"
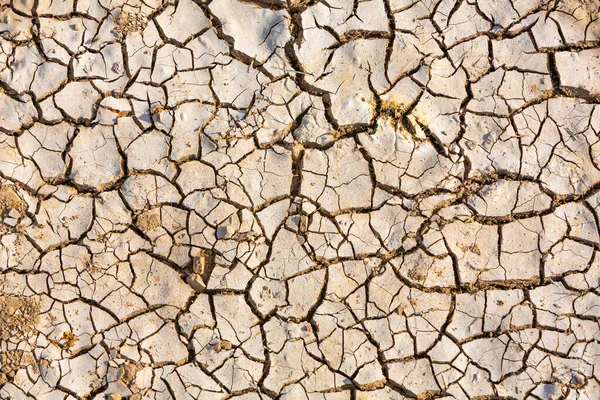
{"x": 299, "y": 199}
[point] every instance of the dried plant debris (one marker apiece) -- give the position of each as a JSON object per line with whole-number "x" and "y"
{"x": 301, "y": 200}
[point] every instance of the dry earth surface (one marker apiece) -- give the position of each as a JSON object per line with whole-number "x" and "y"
{"x": 301, "y": 199}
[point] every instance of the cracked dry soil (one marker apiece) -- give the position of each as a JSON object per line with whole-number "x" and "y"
{"x": 299, "y": 199}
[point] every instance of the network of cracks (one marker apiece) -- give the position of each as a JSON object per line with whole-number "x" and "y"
{"x": 299, "y": 199}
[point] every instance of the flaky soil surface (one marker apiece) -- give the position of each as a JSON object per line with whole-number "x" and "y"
{"x": 300, "y": 200}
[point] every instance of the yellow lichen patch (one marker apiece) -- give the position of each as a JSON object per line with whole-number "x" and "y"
{"x": 67, "y": 341}
{"x": 391, "y": 110}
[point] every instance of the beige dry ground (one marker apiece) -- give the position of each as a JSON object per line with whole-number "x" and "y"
{"x": 299, "y": 200}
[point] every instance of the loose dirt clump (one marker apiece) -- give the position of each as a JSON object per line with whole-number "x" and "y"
{"x": 222, "y": 345}
{"x": 18, "y": 317}
{"x": 130, "y": 22}
{"x": 148, "y": 221}
{"x": 11, "y": 203}
{"x": 11, "y": 362}
{"x": 202, "y": 267}
{"x": 127, "y": 373}
{"x": 416, "y": 275}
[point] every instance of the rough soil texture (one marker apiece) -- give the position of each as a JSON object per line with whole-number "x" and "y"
{"x": 300, "y": 200}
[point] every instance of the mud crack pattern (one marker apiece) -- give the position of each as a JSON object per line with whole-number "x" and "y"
{"x": 301, "y": 199}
